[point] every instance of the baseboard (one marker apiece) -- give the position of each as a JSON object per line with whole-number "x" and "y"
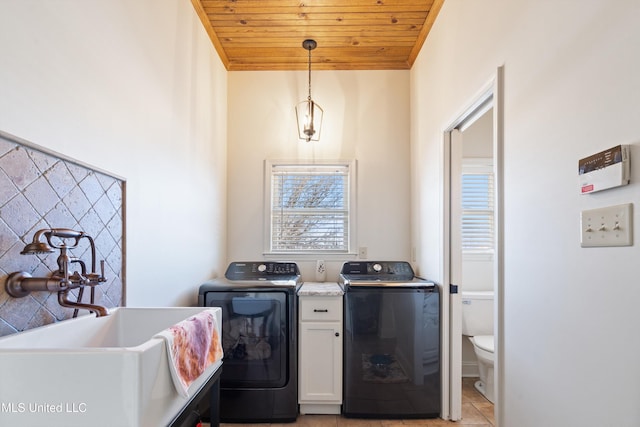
{"x": 470, "y": 369}
{"x": 319, "y": 408}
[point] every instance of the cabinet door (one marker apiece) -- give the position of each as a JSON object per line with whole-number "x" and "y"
{"x": 320, "y": 362}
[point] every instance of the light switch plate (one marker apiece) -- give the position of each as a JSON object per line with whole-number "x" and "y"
{"x": 609, "y": 226}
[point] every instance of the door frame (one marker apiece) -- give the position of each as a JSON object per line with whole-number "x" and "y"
{"x": 492, "y": 93}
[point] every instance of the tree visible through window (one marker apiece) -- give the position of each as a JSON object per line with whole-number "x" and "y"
{"x": 310, "y": 208}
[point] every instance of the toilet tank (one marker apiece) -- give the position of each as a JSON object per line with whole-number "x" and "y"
{"x": 477, "y": 313}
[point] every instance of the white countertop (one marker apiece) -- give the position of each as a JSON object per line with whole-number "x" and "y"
{"x": 320, "y": 288}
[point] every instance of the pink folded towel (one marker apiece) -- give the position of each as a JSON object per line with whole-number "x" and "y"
{"x": 192, "y": 345}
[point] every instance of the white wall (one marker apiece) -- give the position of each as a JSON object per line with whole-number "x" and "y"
{"x": 571, "y": 90}
{"x": 366, "y": 117}
{"x": 134, "y": 88}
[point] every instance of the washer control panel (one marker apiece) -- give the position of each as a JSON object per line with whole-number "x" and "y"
{"x": 378, "y": 270}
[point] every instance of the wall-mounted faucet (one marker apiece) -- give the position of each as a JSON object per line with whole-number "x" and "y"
{"x": 20, "y": 283}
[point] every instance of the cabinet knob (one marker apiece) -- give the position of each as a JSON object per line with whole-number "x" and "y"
{"x": 337, "y": 334}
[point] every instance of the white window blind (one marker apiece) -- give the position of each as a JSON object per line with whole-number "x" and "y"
{"x": 477, "y": 212}
{"x": 310, "y": 208}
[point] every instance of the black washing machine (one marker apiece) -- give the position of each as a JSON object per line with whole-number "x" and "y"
{"x": 391, "y": 342}
{"x": 259, "y": 381}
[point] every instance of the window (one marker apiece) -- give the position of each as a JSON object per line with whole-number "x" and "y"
{"x": 310, "y": 207}
{"x": 477, "y": 207}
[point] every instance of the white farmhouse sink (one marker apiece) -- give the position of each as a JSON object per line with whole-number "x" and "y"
{"x": 94, "y": 371}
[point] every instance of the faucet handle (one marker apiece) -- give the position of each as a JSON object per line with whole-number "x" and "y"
{"x": 95, "y": 278}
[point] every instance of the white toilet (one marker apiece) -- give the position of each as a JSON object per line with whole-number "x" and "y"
{"x": 477, "y": 324}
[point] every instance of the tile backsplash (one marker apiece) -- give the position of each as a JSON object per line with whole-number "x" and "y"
{"x": 39, "y": 189}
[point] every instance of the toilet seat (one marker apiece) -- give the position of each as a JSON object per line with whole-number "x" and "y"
{"x": 484, "y": 342}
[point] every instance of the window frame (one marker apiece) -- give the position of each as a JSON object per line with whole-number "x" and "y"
{"x": 351, "y": 215}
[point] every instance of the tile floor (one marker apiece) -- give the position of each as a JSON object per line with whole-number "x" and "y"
{"x": 476, "y": 412}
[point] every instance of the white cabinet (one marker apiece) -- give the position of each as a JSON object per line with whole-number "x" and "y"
{"x": 320, "y": 354}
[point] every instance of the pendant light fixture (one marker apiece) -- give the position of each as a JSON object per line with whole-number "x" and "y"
{"x": 308, "y": 113}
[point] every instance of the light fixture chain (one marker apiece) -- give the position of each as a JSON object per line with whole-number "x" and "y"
{"x": 309, "y": 98}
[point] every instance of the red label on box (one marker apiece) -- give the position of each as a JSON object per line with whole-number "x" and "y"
{"x": 587, "y": 188}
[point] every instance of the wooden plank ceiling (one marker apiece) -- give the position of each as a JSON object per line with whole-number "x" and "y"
{"x": 263, "y": 35}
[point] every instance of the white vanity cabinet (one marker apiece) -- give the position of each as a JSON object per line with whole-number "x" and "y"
{"x": 320, "y": 348}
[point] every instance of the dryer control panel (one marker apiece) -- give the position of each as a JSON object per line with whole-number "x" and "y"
{"x": 260, "y": 270}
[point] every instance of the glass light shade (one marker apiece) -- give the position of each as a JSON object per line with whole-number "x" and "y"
{"x": 309, "y": 116}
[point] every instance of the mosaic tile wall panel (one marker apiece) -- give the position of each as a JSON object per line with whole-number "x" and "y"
{"x": 39, "y": 190}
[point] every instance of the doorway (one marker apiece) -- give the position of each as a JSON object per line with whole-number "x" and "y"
{"x": 473, "y": 142}
{"x": 473, "y": 219}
